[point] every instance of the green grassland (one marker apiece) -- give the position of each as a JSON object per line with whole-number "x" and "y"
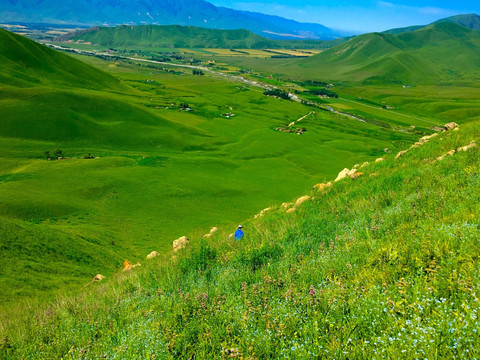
{"x": 440, "y": 54}
{"x": 372, "y": 267}
{"x": 429, "y": 74}
{"x": 386, "y": 265}
{"x": 161, "y": 172}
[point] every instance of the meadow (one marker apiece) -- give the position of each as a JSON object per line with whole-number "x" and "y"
{"x": 371, "y": 267}
{"x": 384, "y": 265}
{"x": 159, "y": 171}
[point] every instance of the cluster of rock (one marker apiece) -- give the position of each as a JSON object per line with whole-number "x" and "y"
{"x": 354, "y": 173}
{"x": 127, "y": 266}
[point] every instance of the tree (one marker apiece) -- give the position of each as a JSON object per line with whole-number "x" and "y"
{"x": 58, "y": 153}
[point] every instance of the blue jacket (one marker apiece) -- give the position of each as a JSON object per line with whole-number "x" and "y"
{"x": 238, "y": 234}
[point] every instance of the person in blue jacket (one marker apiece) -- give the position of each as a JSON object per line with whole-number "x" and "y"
{"x": 239, "y": 233}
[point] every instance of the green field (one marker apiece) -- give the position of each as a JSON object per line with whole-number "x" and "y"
{"x": 159, "y": 171}
{"x": 154, "y": 151}
{"x": 385, "y": 265}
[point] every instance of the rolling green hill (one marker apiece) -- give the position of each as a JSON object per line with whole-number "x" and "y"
{"x": 175, "y": 36}
{"x": 471, "y": 21}
{"x": 49, "y": 96}
{"x": 26, "y": 63}
{"x": 432, "y": 55}
{"x": 384, "y": 264}
{"x": 50, "y": 101}
{"x": 159, "y": 170}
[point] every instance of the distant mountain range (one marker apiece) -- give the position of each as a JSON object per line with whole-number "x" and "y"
{"x": 161, "y": 12}
{"x": 439, "y": 53}
{"x": 176, "y": 36}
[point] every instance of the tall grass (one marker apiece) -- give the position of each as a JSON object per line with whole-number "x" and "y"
{"x": 383, "y": 266}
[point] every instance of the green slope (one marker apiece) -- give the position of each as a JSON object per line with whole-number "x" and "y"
{"x": 175, "y": 36}
{"x": 161, "y": 172}
{"x": 50, "y": 101}
{"x": 26, "y": 63}
{"x": 383, "y": 266}
{"x": 432, "y": 55}
{"x": 471, "y": 21}
{"x": 49, "y": 96}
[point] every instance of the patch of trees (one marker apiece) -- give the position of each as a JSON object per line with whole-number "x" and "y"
{"x": 194, "y": 61}
{"x": 274, "y": 52}
{"x": 104, "y": 57}
{"x": 160, "y": 58}
{"x": 323, "y": 92}
{"x": 198, "y": 72}
{"x": 313, "y": 83}
{"x": 57, "y": 154}
{"x": 277, "y": 93}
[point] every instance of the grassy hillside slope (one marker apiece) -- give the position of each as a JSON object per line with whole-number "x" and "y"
{"x": 50, "y": 101}
{"x": 471, "y": 21}
{"x": 386, "y": 265}
{"x": 175, "y": 36}
{"x": 159, "y": 171}
{"x": 435, "y": 54}
{"x": 49, "y": 96}
{"x": 25, "y": 63}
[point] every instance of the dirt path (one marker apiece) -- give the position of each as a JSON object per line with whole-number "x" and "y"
{"x": 303, "y": 117}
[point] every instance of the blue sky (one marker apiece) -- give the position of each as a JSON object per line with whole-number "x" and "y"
{"x": 359, "y": 15}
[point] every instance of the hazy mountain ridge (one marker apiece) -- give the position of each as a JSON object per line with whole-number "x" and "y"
{"x": 176, "y": 36}
{"x": 165, "y": 12}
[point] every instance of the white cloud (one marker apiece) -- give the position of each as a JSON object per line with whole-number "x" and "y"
{"x": 385, "y": 4}
{"x": 427, "y": 10}
{"x": 438, "y": 11}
